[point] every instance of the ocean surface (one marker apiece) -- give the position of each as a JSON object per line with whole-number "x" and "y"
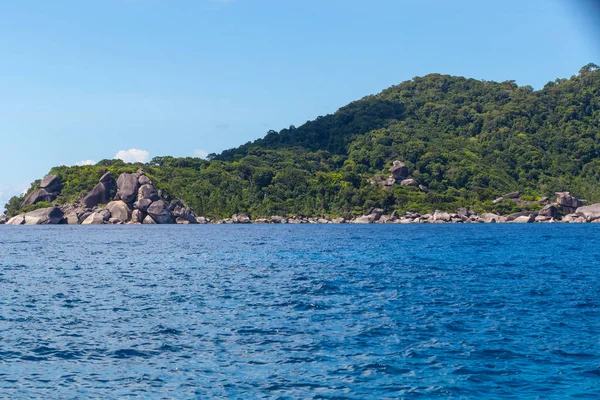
{"x": 305, "y": 311}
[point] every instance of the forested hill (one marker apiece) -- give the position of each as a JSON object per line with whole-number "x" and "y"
{"x": 467, "y": 141}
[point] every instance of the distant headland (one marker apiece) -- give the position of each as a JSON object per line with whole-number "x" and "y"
{"x": 437, "y": 148}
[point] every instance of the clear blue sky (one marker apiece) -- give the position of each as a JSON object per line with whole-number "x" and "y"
{"x": 83, "y": 80}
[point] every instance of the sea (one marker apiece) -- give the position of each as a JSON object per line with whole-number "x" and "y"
{"x": 458, "y": 311}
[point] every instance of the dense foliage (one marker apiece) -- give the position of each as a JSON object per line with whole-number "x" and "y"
{"x": 469, "y": 141}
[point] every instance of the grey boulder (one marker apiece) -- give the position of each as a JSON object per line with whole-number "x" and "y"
{"x": 159, "y": 211}
{"x": 119, "y": 210}
{"x": 148, "y": 191}
{"x": 51, "y": 183}
{"x": 409, "y": 182}
{"x": 142, "y": 204}
{"x": 549, "y": 210}
{"x": 137, "y": 217}
{"x": 42, "y": 216}
{"x": 127, "y": 187}
{"x": 144, "y": 180}
{"x": 569, "y": 203}
{"x": 100, "y": 194}
{"x": 39, "y": 195}
{"x": 399, "y": 170}
{"x": 590, "y": 212}
{"x": 97, "y": 218}
{"x": 148, "y": 221}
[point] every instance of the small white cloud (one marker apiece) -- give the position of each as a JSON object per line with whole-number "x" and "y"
{"x": 85, "y": 162}
{"x": 133, "y": 156}
{"x": 201, "y": 153}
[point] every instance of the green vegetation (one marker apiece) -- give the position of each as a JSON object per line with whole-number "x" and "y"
{"x": 468, "y": 141}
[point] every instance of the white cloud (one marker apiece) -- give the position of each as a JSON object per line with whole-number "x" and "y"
{"x": 85, "y": 162}
{"x": 133, "y": 156}
{"x": 201, "y": 153}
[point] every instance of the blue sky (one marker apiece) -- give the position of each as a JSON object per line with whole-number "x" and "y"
{"x": 82, "y": 81}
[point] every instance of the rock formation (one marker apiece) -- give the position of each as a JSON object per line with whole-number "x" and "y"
{"x": 591, "y": 212}
{"x": 136, "y": 201}
{"x": 569, "y": 203}
{"x": 48, "y": 191}
{"x": 42, "y": 216}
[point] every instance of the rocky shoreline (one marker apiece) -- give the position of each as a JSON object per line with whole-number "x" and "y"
{"x": 137, "y": 201}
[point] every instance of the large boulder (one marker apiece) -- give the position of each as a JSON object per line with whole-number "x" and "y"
{"x": 39, "y": 195}
{"x": 3, "y": 219}
{"x": 144, "y": 180}
{"x": 127, "y": 187}
{"x": 549, "y": 210}
{"x": 490, "y": 218}
{"x": 119, "y": 210}
{"x": 51, "y": 183}
{"x": 97, "y": 218}
{"x": 159, "y": 211}
{"x": 569, "y": 203}
{"x": 409, "y": 182}
{"x": 512, "y": 217}
{"x": 243, "y": 219}
{"x": 441, "y": 216}
{"x": 399, "y": 170}
{"x": 137, "y": 217}
{"x": 590, "y": 212}
{"x": 201, "y": 220}
{"x": 71, "y": 218}
{"x": 523, "y": 219}
{"x": 149, "y": 221}
{"x": 142, "y": 204}
{"x": 365, "y": 219}
{"x": 180, "y": 211}
{"x": 16, "y": 220}
{"x": 512, "y": 195}
{"x": 42, "y": 216}
{"x": 105, "y": 178}
{"x": 100, "y": 194}
{"x": 148, "y": 191}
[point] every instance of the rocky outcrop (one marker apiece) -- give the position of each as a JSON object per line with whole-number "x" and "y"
{"x": 97, "y": 218}
{"x": 127, "y": 187}
{"x": 439, "y": 216}
{"x": 182, "y": 214}
{"x": 137, "y": 217}
{"x": 399, "y": 170}
{"x": 51, "y": 183}
{"x": 149, "y": 221}
{"x": 240, "y": 219}
{"x": 3, "y": 219}
{"x": 148, "y": 191}
{"x": 590, "y": 213}
{"x": 409, "y": 182}
{"x": 160, "y": 213}
{"x": 512, "y": 217}
{"x": 523, "y": 219}
{"x": 100, "y": 194}
{"x": 569, "y": 203}
{"x": 550, "y": 210}
{"x": 42, "y": 216}
{"x": 48, "y": 191}
{"x": 37, "y": 196}
{"x": 119, "y": 210}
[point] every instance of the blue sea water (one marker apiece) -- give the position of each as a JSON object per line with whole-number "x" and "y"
{"x": 305, "y": 311}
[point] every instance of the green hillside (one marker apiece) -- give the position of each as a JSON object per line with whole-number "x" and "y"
{"x": 467, "y": 141}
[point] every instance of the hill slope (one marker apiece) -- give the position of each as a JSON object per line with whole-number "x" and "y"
{"x": 468, "y": 141}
